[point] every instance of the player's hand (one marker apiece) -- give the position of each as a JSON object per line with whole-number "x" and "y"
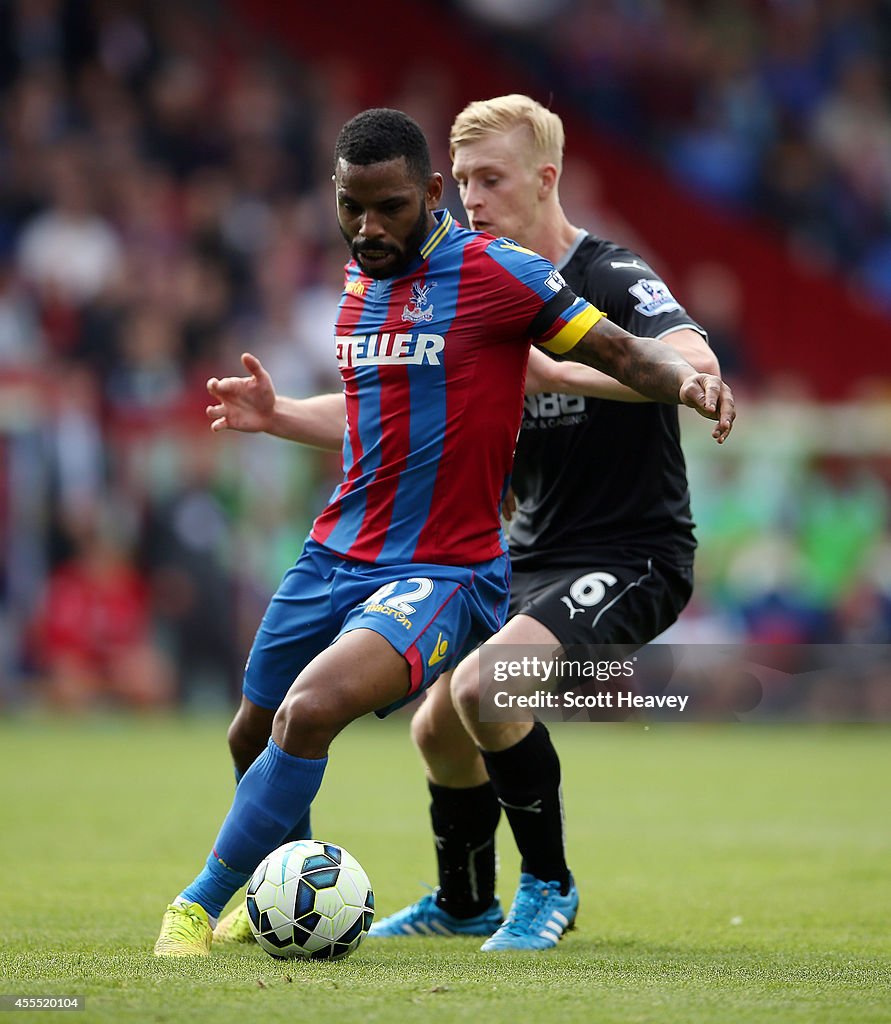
{"x": 243, "y": 403}
{"x": 711, "y": 398}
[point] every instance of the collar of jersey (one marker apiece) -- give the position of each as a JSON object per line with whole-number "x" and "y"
{"x": 444, "y": 221}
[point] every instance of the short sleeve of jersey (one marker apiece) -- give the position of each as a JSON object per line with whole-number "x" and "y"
{"x": 558, "y": 318}
{"x": 633, "y": 295}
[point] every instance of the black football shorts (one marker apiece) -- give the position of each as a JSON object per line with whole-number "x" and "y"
{"x": 626, "y": 602}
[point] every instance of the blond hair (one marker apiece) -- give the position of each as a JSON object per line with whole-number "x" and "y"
{"x": 503, "y": 114}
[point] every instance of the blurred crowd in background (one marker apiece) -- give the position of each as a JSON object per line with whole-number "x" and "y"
{"x": 165, "y": 204}
{"x": 778, "y": 108}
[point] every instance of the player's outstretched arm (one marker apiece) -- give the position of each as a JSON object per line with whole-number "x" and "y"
{"x": 570, "y": 378}
{"x": 251, "y": 404}
{"x": 657, "y": 371}
{"x": 563, "y": 377}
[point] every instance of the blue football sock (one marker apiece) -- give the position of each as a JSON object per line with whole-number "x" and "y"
{"x": 303, "y": 828}
{"x": 271, "y": 799}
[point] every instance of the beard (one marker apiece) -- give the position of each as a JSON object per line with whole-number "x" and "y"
{"x": 404, "y": 255}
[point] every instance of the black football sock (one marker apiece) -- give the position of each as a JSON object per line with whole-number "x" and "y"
{"x": 464, "y": 823}
{"x": 526, "y": 778}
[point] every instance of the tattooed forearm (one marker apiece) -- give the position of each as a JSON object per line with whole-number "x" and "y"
{"x": 650, "y": 367}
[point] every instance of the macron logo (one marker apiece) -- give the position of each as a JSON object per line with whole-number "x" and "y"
{"x": 439, "y": 651}
{"x": 389, "y": 349}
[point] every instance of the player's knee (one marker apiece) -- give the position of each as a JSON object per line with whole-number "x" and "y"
{"x": 431, "y": 741}
{"x": 248, "y": 735}
{"x": 449, "y": 752}
{"x": 466, "y": 688}
{"x": 422, "y": 733}
{"x": 307, "y": 718}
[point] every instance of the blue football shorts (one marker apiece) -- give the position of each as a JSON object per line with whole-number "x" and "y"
{"x": 433, "y": 615}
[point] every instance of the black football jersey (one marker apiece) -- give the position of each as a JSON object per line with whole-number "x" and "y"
{"x": 591, "y": 476}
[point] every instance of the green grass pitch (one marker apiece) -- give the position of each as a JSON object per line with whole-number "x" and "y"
{"x": 728, "y": 873}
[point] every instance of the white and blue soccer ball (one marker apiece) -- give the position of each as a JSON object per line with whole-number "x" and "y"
{"x": 310, "y": 900}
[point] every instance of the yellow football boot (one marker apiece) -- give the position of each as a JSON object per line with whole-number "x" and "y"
{"x": 234, "y": 927}
{"x": 185, "y": 931}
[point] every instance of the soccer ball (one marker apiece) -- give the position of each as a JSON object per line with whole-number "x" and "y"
{"x": 309, "y": 901}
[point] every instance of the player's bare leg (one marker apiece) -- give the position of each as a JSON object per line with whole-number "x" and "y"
{"x": 495, "y": 736}
{"x": 248, "y": 735}
{"x": 525, "y": 772}
{"x": 450, "y": 754}
{"x": 359, "y": 673}
{"x": 464, "y": 814}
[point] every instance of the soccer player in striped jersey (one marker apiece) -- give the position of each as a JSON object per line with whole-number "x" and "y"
{"x": 395, "y": 585}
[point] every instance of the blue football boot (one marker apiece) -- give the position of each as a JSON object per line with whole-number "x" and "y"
{"x": 538, "y": 917}
{"x": 426, "y": 918}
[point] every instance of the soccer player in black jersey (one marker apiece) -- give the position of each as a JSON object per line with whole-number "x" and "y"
{"x": 601, "y": 542}
{"x": 603, "y": 508}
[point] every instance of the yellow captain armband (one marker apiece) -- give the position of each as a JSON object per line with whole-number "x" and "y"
{"x": 572, "y": 332}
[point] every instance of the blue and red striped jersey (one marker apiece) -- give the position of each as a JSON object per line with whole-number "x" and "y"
{"x": 433, "y": 364}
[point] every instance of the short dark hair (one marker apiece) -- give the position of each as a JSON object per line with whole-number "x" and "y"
{"x": 382, "y": 134}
